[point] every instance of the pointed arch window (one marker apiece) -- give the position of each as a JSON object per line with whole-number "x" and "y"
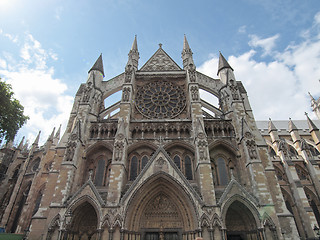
{"x": 222, "y": 172}
{"x": 133, "y": 168}
{"x": 98, "y": 180}
{"x": 188, "y": 167}
{"x": 144, "y": 162}
{"x": 177, "y": 161}
{"x": 38, "y": 201}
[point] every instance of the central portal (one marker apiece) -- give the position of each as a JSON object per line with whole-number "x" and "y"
{"x": 161, "y": 236}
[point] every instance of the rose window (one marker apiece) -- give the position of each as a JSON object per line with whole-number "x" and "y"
{"x": 160, "y": 100}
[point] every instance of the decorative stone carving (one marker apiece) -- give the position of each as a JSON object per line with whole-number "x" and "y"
{"x": 305, "y": 147}
{"x": 160, "y": 162}
{"x": 194, "y": 93}
{"x": 283, "y": 146}
{"x": 160, "y": 99}
{"x": 126, "y": 94}
{"x": 252, "y": 149}
{"x": 71, "y": 147}
{"x": 160, "y": 62}
{"x": 128, "y": 73}
{"x": 192, "y": 72}
{"x": 234, "y": 90}
{"x": 202, "y": 145}
{"x": 87, "y": 92}
{"x": 118, "y": 152}
{"x": 161, "y": 212}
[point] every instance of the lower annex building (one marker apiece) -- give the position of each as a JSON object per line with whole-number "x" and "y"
{"x": 168, "y": 165}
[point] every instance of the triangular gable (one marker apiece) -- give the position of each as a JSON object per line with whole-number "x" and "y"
{"x": 160, "y": 162}
{"x": 160, "y": 61}
{"x": 87, "y": 189}
{"x": 233, "y": 188}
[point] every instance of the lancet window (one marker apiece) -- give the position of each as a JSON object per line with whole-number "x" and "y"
{"x": 220, "y": 171}
{"x": 137, "y": 164}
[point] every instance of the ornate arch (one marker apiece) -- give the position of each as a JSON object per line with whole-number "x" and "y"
{"x": 246, "y": 202}
{"x": 83, "y": 199}
{"x": 157, "y": 188}
{"x": 225, "y": 144}
{"x": 98, "y": 145}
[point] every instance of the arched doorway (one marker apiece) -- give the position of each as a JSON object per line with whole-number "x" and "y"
{"x": 240, "y": 223}
{"x": 161, "y": 210}
{"x": 84, "y": 223}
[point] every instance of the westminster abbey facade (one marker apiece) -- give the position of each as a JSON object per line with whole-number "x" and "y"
{"x": 164, "y": 164}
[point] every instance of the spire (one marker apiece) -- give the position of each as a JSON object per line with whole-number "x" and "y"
{"x": 50, "y": 138}
{"x": 186, "y": 46}
{"x": 134, "y": 44}
{"x": 223, "y": 63}
{"x": 37, "y": 139}
{"x": 134, "y": 54}
{"x": 58, "y": 132}
{"x": 21, "y": 144}
{"x": 312, "y": 126}
{"x": 271, "y": 126}
{"x": 292, "y": 126}
{"x": 186, "y": 54}
{"x": 98, "y": 65}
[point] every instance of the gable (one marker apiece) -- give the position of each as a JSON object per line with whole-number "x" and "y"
{"x": 160, "y": 61}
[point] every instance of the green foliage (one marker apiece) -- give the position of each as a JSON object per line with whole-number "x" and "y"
{"x": 11, "y": 113}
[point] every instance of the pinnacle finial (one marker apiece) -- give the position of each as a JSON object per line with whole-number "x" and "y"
{"x": 271, "y": 126}
{"x": 160, "y": 45}
{"x": 292, "y": 126}
{"x": 52, "y": 134}
{"x": 312, "y": 126}
{"x": 223, "y": 63}
{"x": 36, "y": 141}
{"x": 21, "y": 143}
{"x": 98, "y": 65}
{"x": 185, "y": 43}
{"x": 134, "y": 46}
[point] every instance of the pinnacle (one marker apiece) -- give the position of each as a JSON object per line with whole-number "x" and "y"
{"x": 292, "y": 126}
{"x": 98, "y": 65}
{"x": 134, "y": 44}
{"x": 36, "y": 141}
{"x": 271, "y": 126}
{"x": 185, "y": 44}
{"x": 223, "y": 63}
{"x": 312, "y": 126}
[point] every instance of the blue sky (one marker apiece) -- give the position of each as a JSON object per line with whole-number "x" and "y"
{"x": 47, "y": 48}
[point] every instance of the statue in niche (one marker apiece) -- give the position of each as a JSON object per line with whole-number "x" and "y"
{"x": 118, "y": 150}
{"x": 192, "y": 72}
{"x": 126, "y": 94}
{"x": 252, "y": 149}
{"x": 194, "y": 93}
{"x": 87, "y": 91}
{"x": 128, "y": 73}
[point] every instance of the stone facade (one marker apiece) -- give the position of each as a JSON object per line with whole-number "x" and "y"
{"x": 167, "y": 165}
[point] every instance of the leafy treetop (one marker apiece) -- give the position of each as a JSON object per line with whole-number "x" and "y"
{"x": 11, "y": 113}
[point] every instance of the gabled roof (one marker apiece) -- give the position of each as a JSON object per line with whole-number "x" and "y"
{"x": 160, "y": 61}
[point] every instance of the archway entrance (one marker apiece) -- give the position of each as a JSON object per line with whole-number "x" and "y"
{"x": 84, "y": 223}
{"x": 161, "y": 211}
{"x": 240, "y": 223}
{"x": 161, "y": 219}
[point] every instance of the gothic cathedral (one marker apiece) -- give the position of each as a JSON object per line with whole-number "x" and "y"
{"x": 167, "y": 165}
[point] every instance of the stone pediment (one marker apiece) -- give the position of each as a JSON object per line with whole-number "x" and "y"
{"x": 160, "y": 163}
{"x": 234, "y": 188}
{"x": 159, "y": 62}
{"x": 87, "y": 189}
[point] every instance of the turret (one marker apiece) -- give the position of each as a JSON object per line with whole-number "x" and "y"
{"x": 315, "y": 105}
{"x": 314, "y": 131}
{"x": 133, "y": 58}
{"x": 186, "y": 55}
{"x": 225, "y": 71}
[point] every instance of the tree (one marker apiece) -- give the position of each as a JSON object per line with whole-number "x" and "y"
{"x": 11, "y": 113}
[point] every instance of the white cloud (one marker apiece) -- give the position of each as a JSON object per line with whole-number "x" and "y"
{"x": 33, "y": 82}
{"x": 267, "y": 44}
{"x": 277, "y": 88}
